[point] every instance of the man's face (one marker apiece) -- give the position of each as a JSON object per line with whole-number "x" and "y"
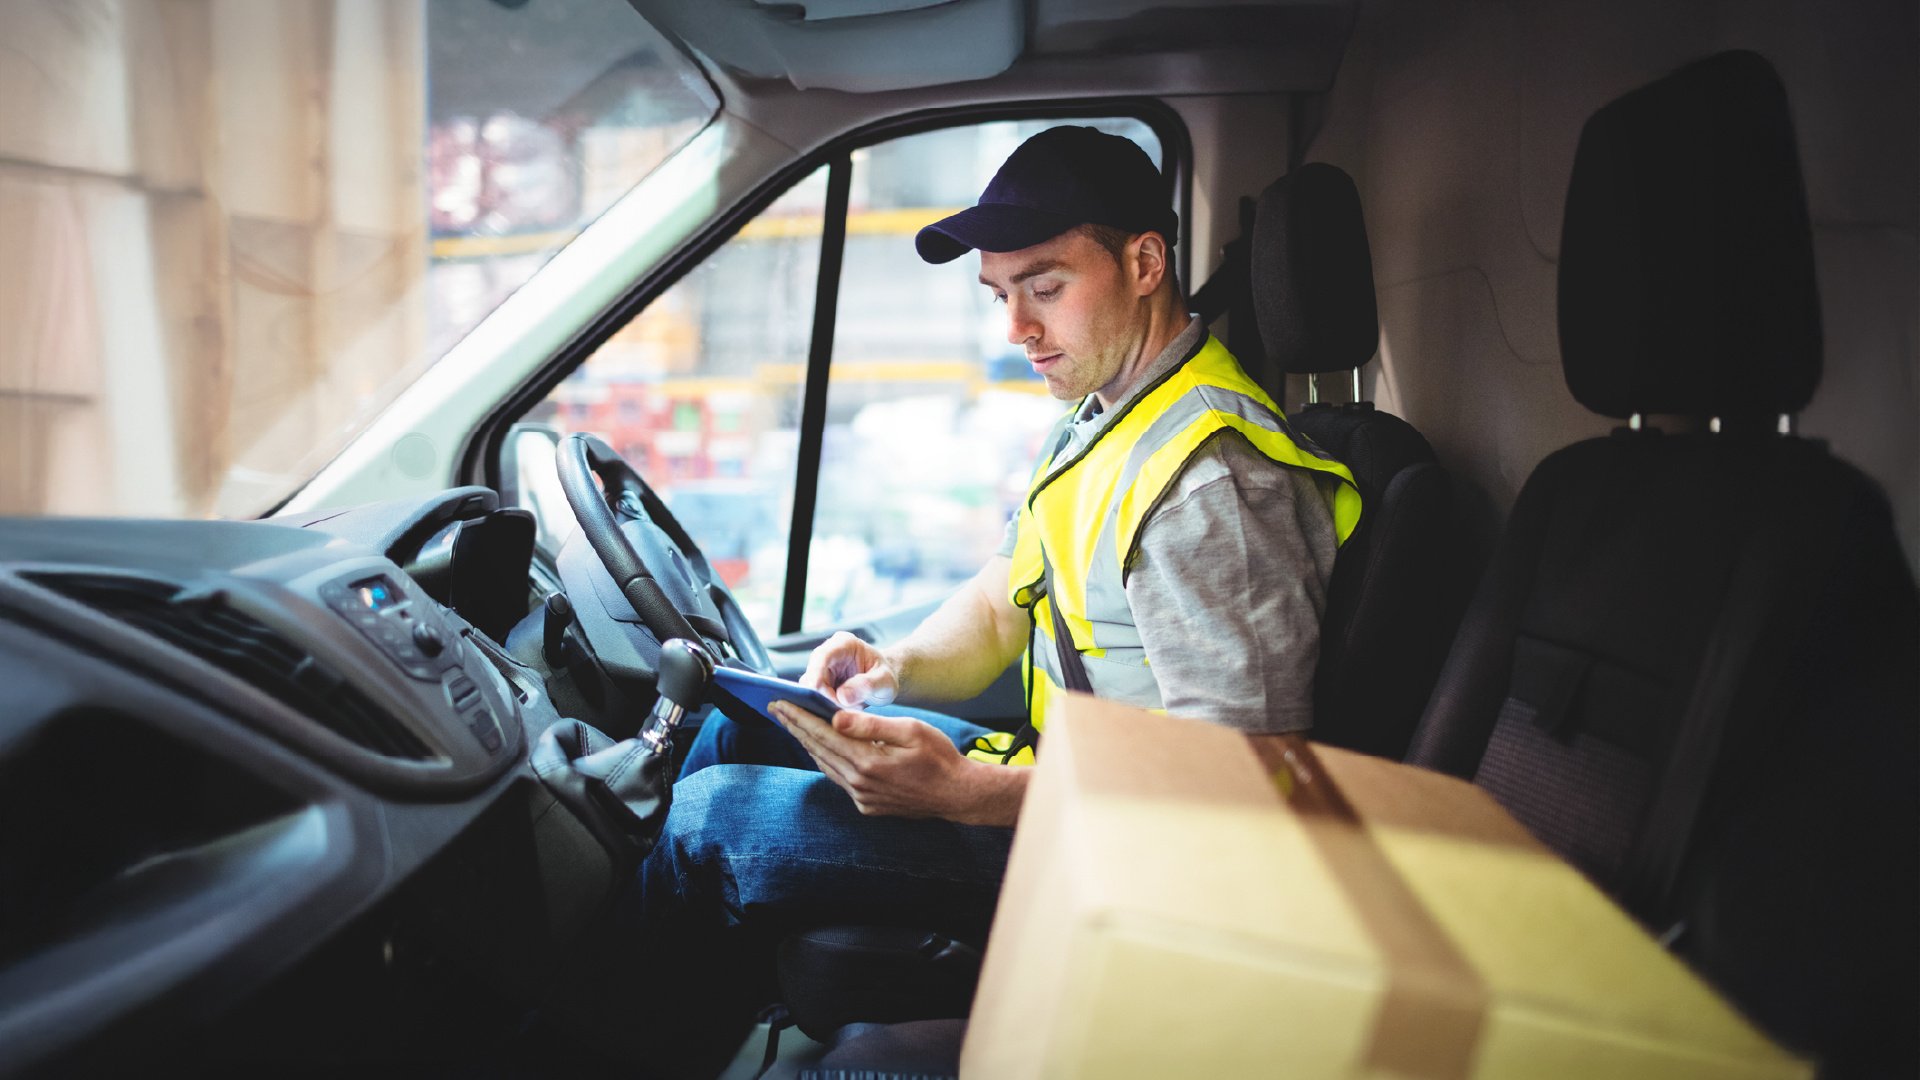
{"x": 1073, "y": 308}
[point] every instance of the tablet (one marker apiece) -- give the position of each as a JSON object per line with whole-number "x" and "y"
{"x": 745, "y": 694}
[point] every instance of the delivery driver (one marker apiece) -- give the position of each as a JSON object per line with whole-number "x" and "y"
{"x": 1173, "y": 552}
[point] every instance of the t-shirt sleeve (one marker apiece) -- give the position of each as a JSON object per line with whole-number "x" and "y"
{"x": 1228, "y": 587}
{"x": 1005, "y": 550}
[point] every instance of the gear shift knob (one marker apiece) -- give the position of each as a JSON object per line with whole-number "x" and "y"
{"x": 685, "y": 669}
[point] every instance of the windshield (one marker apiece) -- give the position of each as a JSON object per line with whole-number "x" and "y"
{"x": 237, "y": 231}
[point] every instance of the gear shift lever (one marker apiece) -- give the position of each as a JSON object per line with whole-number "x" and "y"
{"x": 621, "y": 791}
{"x": 685, "y": 670}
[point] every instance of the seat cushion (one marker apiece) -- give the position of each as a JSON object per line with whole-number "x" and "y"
{"x": 913, "y": 1050}
{"x": 1585, "y": 648}
{"x": 839, "y": 975}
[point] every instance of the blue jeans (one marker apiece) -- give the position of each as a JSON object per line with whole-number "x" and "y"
{"x": 759, "y": 845}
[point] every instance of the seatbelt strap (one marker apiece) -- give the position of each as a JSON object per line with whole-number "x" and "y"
{"x": 1213, "y": 299}
{"x": 1230, "y": 289}
{"x": 1072, "y": 668}
{"x": 1737, "y": 651}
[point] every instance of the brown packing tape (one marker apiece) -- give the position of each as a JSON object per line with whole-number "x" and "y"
{"x": 1429, "y": 1020}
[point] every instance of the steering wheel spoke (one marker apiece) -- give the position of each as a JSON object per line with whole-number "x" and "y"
{"x": 654, "y": 563}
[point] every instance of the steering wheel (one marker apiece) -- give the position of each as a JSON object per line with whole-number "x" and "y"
{"x": 656, "y": 566}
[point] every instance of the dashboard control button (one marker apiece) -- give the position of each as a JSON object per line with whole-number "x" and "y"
{"x": 485, "y": 730}
{"x": 428, "y": 640}
{"x": 461, "y": 691}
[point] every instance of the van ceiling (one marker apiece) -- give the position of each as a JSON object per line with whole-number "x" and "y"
{"x": 865, "y": 46}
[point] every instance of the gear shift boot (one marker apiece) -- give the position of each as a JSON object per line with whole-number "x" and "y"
{"x": 621, "y": 790}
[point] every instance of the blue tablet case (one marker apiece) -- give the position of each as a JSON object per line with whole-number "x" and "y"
{"x": 745, "y": 695}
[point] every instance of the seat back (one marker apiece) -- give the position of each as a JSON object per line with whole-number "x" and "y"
{"x": 1390, "y": 611}
{"x": 1688, "y": 668}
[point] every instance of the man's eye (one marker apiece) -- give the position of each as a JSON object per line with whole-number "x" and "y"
{"x": 999, "y": 298}
{"x": 1047, "y": 293}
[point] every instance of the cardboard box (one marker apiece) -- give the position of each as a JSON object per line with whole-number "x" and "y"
{"x": 1183, "y": 900}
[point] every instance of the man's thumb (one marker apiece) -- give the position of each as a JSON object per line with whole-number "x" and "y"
{"x": 860, "y": 725}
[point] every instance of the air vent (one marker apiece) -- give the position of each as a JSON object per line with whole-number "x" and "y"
{"x": 246, "y": 648}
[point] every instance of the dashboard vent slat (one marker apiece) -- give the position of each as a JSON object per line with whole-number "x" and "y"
{"x": 242, "y": 646}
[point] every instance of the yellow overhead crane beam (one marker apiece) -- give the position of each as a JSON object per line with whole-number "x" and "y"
{"x": 902, "y": 221}
{"x": 766, "y": 376}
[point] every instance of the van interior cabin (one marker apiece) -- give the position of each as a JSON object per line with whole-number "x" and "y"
{"x": 382, "y": 384}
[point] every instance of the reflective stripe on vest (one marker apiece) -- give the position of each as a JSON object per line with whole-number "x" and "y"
{"x": 1082, "y": 519}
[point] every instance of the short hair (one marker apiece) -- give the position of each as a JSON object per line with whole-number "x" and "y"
{"x": 1116, "y": 241}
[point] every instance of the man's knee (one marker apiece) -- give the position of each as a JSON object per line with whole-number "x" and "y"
{"x": 729, "y": 807}
{"x": 729, "y": 833}
{"x": 687, "y": 825}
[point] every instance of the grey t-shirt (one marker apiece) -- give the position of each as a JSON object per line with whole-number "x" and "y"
{"x": 1230, "y": 579}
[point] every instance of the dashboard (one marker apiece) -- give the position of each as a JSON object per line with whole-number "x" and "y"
{"x": 266, "y": 792}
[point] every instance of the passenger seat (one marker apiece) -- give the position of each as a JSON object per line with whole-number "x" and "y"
{"x": 1689, "y": 667}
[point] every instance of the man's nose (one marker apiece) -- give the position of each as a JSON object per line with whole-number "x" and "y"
{"x": 1021, "y": 327}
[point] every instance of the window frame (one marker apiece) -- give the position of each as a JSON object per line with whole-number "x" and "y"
{"x": 481, "y": 456}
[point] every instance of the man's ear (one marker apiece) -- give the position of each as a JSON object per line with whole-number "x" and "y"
{"x": 1149, "y": 251}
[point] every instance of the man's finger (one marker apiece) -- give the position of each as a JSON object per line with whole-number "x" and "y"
{"x": 816, "y": 673}
{"x": 836, "y": 659}
{"x": 866, "y": 688}
{"x": 865, "y": 726}
{"x": 801, "y": 724}
{"x": 853, "y": 692}
{"x": 818, "y": 739}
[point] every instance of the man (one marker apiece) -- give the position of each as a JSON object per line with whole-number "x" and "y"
{"x": 1173, "y": 553}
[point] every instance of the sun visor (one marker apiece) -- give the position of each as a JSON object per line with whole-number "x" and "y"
{"x": 861, "y": 46}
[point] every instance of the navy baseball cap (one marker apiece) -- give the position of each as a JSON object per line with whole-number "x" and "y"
{"x": 1060, "y": 178}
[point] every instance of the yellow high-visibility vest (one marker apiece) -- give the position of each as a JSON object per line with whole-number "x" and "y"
{"x": 1080, "y": 524}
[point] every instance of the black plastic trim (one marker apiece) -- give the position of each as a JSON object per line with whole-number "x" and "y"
{"x": 813, "y": 404}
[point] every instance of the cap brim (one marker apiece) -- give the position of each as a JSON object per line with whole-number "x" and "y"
{"x": 990, "y": 227}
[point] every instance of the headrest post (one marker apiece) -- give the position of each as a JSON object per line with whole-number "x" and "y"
{"x": 1313, "y": 388}
{"x": 1786, "y": 423}
{"x": 1356, "y": 386}
{"x": 1633, "y": 422}
{"x": 1713, "y": 424}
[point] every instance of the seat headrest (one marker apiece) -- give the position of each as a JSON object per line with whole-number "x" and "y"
{"x": 1686, "y": 257}
{"x": 1312, "y": 275}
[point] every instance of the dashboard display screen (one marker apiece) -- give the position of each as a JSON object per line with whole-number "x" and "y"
{"x": 376, "y": 594}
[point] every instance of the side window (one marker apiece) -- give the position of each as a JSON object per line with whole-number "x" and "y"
{"x": 929, "y": 423}
{"x": 701, "y": 393}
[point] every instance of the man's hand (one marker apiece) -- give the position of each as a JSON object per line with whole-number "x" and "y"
{"x": 852, "y": 672}
{"x": 903, "y": 767}
{"x": 952, "y": 656}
